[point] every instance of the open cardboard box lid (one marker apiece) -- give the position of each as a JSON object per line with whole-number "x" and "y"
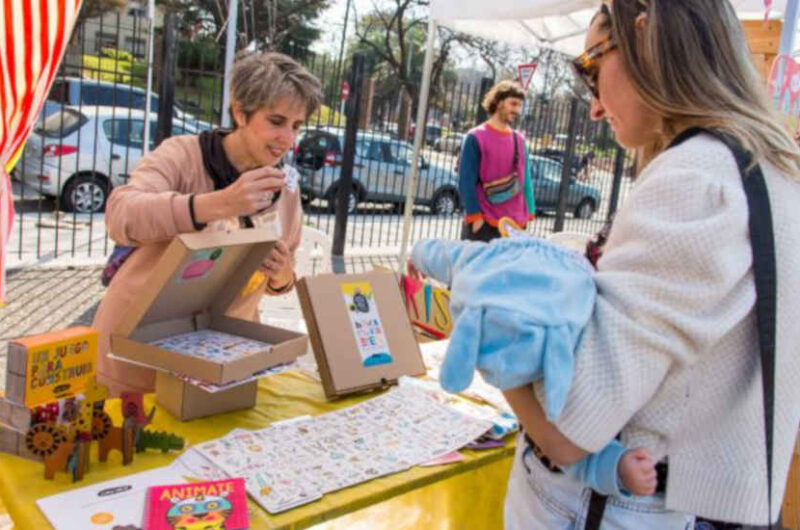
{"x": 198, "y": 273}
{"x": 191, "y": 287}
{"x": 342, "y": 366}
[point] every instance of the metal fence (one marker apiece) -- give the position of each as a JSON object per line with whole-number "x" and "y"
{"x": 91, "y": 135}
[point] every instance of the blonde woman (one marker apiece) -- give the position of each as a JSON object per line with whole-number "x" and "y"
{"x": 671, "y": 356}
{"x": 215, "y": 181}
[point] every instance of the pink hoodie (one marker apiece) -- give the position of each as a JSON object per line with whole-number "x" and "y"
{"x": 148, "y": 212}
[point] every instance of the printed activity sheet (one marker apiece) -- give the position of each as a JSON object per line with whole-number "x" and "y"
{"x": 212, "y": 345}
{"x": 293, "y": 463}
{"x": 433, "y": 354}
{"x": 120, "y": 503}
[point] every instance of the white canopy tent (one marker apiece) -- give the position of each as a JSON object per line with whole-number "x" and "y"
{"x": 558, "y": 24}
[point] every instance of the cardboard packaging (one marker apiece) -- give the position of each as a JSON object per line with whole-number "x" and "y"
{"x": 12, "y": 441}
{"x": 14, "y": 415}
{"x": 51, "y": 366}
{"x": 428, "y": 307}
{"x": 359, "y": 330}
{"x": 197, "y": 279}
{"x": 187, "y": 402}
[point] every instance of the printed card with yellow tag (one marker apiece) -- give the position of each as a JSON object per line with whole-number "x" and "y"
{"x": 366, "y": 322}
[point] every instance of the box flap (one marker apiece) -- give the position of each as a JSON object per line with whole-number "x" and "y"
{"x": 199, "y": 272}
{"x": 347, "y": 365}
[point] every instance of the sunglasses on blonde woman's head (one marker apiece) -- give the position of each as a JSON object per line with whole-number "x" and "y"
{"x": 587, "y": 67}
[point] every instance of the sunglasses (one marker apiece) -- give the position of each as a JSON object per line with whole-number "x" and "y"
{"x": 586, "y": 65}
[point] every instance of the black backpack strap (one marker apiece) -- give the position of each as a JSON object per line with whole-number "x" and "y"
{"x": 516, "y": 151}
{"x": 762, "y": 241}
{"x": 594, "y": 515}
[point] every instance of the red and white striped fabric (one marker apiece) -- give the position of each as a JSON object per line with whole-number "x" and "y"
{"x": 33, "y": 37}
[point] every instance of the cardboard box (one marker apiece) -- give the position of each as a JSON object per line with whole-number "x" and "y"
{"x": 187, "y": 402}
{"x": 51, "y": 366}
{"x": 15, "y": 415}
{"x": 191, "y": 287}
{"x": 428, "y": 307}
{"x": 359, "y": 331}
{"x": 12, "y": 442}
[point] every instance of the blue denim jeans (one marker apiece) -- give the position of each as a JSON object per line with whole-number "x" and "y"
{"x": 538, "y": 499}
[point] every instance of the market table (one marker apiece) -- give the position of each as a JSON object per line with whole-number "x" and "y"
{"x": 468, "y": 494}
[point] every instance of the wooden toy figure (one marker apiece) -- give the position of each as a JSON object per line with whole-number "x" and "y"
{"x": 119, "y": 438}
{"x": 49, "y": 441}
{"x": 132, "y": 405}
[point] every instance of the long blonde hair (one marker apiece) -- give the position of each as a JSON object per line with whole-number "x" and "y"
{"x": 691, "y": 64}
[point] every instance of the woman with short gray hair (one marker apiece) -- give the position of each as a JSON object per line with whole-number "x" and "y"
{"x": 215, "y": 181}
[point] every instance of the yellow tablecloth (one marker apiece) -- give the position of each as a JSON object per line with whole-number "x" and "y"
{"x": 468, "y": 494}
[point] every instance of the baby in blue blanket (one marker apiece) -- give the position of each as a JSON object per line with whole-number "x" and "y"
{"x": 519, "y": 307}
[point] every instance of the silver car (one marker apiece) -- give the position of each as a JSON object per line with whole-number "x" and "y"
{"x": 449, "y": 144}
{"x": 381, "y": 171}
{"x": 79, "y": 154}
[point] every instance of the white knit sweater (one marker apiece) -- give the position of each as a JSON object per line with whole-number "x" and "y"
{"x": 671, "y": 357}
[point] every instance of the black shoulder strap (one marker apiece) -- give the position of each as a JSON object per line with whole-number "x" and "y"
{"x": 764, "y": 270}
{"x": 515, "y": 163}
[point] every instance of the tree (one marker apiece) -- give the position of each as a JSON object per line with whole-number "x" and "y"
{"x": 278, "y": 25}
{"x": 393, "y": 33}
{"x": 96, "y": 8}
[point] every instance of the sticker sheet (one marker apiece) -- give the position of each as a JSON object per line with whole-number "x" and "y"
{"x": 212, "y": 345}
{"x": 292, "y": 463}
{"x": 433, "y": 354}
{"x": 366, "y": 323}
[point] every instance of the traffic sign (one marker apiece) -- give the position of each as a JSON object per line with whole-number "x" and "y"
{"x": 526, "y": 74}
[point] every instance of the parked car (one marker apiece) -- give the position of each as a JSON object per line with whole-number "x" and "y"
{"x": 432, "y": 133}
{"x": 81, "y": 92}
{"x": 582, "y": 200}
{"x": 450, "y": 143}
{"x": 79, "y": 155}
{"x": 559, "y": 155}
{"x": 382, "y": 167}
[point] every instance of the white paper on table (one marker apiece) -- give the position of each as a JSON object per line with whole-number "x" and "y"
{"x": 433, "y": 354}
{"x": 293, "y": 463}
{"x": 503, "y": 422}
{"x": 118, "y": 502}
{"x": 192, "y": 464}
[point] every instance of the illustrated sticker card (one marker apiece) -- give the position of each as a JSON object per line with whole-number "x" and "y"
{"x": 291, "y": 464}
{"x": 212, "y": 345}
{"x": 366, "y": 323}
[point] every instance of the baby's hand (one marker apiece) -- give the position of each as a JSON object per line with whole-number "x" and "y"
{"x": 637, "y": 469}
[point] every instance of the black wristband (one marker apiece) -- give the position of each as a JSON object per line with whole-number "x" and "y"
{"x": 197, "y": 226}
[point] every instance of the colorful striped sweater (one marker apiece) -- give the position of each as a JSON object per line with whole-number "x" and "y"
{"x": 486, "y": 156}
